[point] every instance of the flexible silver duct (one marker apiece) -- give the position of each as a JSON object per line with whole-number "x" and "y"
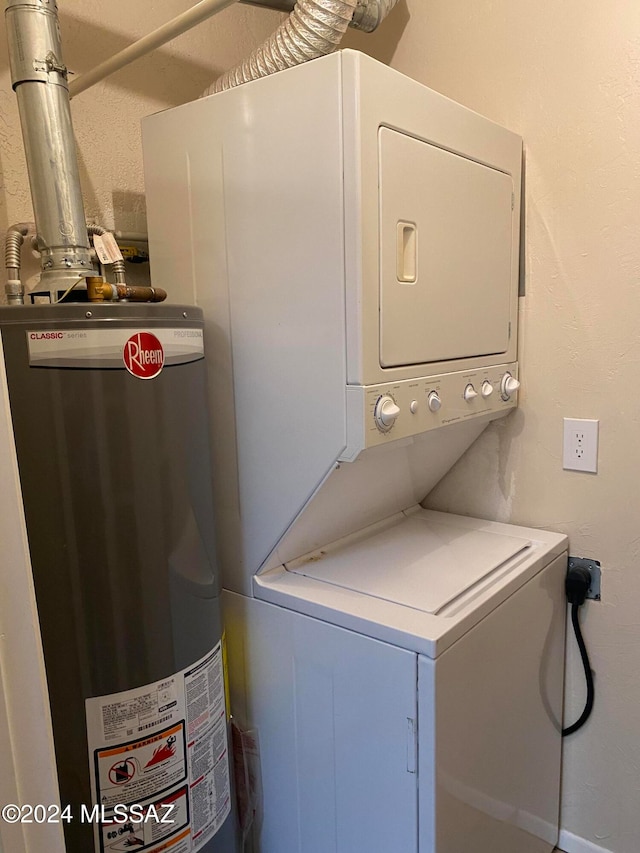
{"x": 314, "y": 28}
{"x": 13, "y": 260}
{"x": 13, "y": 244}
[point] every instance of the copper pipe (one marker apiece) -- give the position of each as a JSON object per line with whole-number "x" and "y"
{"x": 99, "y": 290}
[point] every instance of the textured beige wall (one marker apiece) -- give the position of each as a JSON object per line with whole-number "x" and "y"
{"x": 567, "y": 77}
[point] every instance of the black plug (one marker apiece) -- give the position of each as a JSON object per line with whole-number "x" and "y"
{"x": 577, "y": 584}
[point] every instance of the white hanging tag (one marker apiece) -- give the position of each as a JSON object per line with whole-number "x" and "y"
{"x": 103, "y": 255}
{"x": 107, "y": 248}
{"x": 110, "y": 244}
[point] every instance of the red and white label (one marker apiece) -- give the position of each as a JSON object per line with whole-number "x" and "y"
{"x": 115, "y": 349}
{"x": 143, "y": 355}
{"x": 162, "y": 743}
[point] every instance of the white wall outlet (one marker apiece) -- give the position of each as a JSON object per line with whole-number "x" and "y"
{"x": 580, "y": 451}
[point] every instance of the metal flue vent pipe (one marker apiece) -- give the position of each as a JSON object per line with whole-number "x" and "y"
{"x": 39, "y": 79}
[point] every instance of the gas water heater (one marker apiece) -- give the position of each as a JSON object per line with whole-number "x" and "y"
{"x": 109, "y": 419}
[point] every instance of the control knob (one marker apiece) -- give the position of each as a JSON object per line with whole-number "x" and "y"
{"x": 508, "y": 386}
{"x": 487, "y": 389}
{"x": 470, "y": 393}
{"x": 386, "y": 413}
{"x": 433, "y": 401}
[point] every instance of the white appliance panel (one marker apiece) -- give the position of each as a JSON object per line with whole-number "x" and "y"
{"x": 416, "y": 562}
{"x": 490, "y": 715}
{"x": 336, "y": 714}
{"x": 445, "y": 246}
{"x": 415, "y": 415}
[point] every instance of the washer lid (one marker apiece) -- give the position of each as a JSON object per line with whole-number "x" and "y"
{"x": 417, "y": 562}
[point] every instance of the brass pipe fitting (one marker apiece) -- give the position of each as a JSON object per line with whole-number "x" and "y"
{"x": 99, "y": 290}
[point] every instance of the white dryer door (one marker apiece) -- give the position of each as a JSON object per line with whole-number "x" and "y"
{"x": 445, "y": 254}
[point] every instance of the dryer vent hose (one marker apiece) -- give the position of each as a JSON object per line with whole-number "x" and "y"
{"x": 314, "y": 28}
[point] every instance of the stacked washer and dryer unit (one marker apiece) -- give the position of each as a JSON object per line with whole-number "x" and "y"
{"x": 353, "y": 239}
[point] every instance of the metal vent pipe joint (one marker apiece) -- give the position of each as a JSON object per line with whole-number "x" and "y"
{"x": 369, "y": 14}
{"x": 39, "y": 79}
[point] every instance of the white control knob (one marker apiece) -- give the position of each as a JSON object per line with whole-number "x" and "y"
{"x": 413, "y": 407}
{"x": 470, "y": 393}
{"x": 386, "y": 413}
{"x": 508, "y": 386}
{"x": 433, "y": 401}
{"x": 487, "y": 389}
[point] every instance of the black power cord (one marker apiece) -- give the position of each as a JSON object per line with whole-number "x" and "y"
{"x": 577, "y": 585}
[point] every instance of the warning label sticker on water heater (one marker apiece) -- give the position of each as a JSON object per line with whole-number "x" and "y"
{"x": 160, "y": 762}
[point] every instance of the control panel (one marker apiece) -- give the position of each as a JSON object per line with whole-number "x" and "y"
{"x": 401, "y": 409}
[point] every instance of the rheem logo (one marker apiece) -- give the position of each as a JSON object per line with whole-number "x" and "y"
{"x": 143, "y": 355}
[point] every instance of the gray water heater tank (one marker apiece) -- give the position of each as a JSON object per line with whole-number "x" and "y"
{"x": 108, "y": 406}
